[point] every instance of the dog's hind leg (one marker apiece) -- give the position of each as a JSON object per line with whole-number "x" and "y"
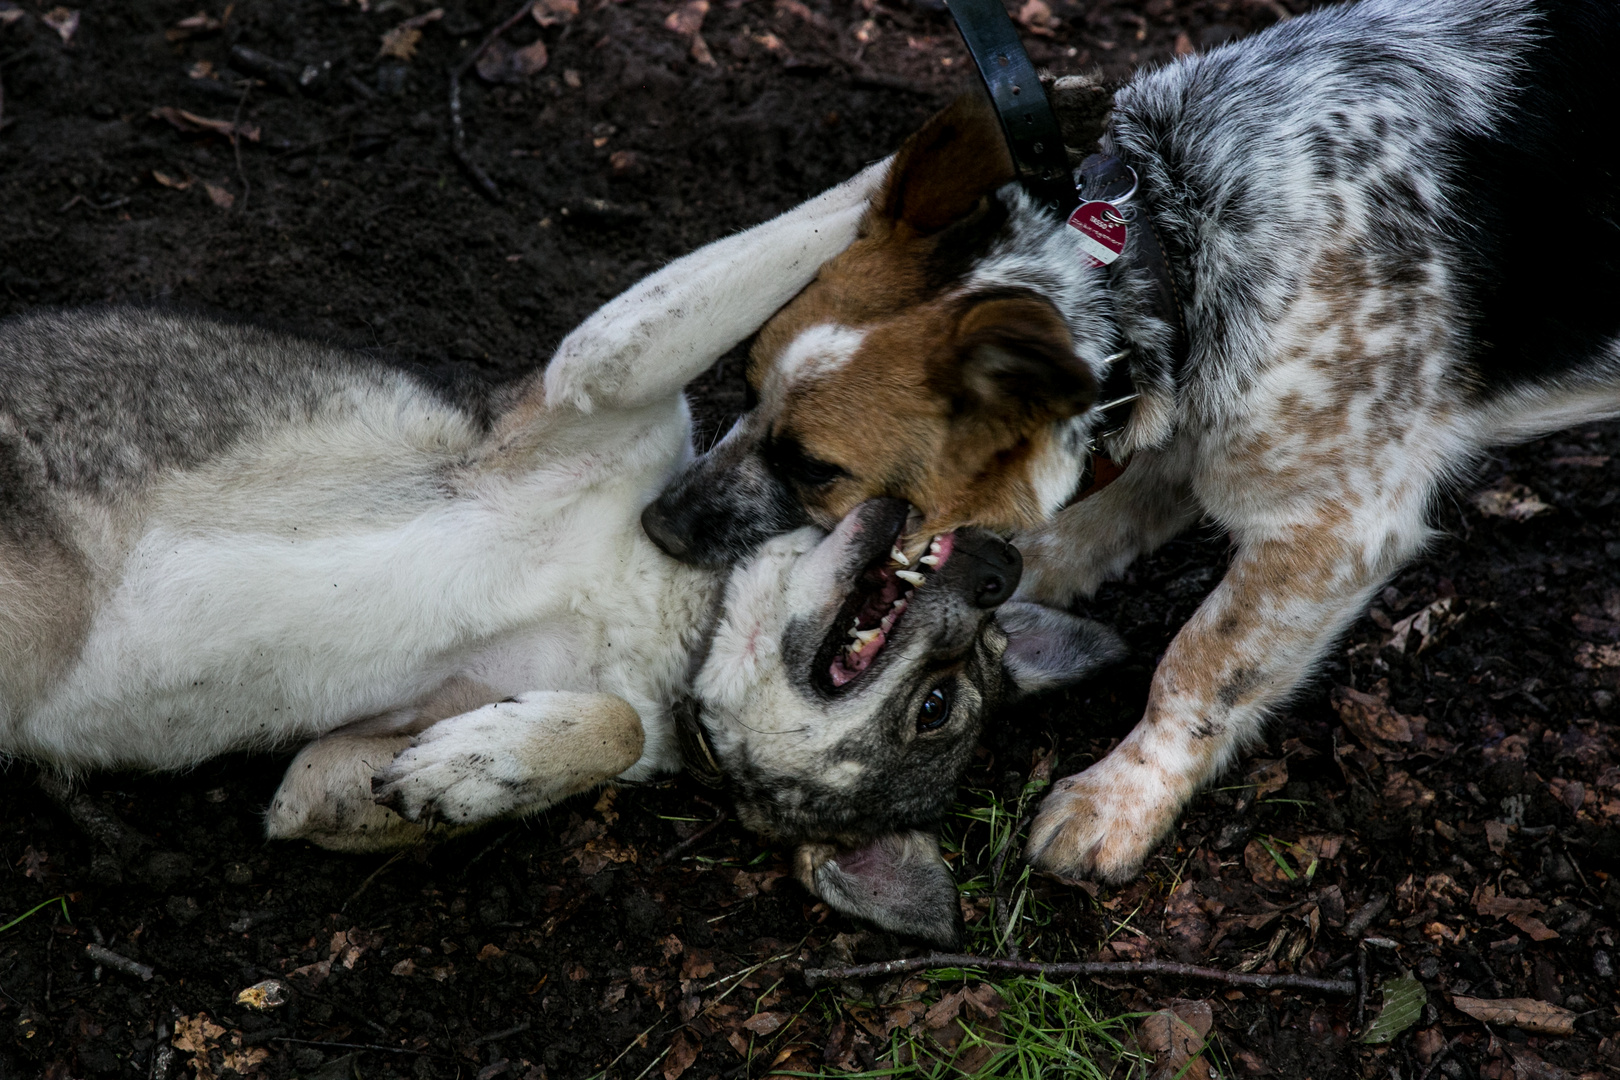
{"x": 512, "y": 757}
{"x": 660, "y": 334}
{"x": 1282, "y": 603}
{"x": 1097, "y": 538}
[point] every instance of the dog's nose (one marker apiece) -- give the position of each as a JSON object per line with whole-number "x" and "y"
{"x": 662, "y": 531}
{"x": 993, "y": 567}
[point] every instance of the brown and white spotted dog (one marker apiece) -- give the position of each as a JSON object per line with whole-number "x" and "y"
{"x": 1392, "y": 230}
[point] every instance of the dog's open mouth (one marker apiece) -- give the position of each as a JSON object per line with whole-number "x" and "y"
{"x": 867, "y": 621}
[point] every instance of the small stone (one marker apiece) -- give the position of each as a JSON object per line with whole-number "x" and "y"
{"x": 1602, "y": 965}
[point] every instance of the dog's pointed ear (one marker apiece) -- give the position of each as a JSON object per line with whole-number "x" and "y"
{"x": 899, "y": 882}
{"x": 1048, "y": 648}
{"x": 942, "y": 171}
{"x": 1014, "y": 354}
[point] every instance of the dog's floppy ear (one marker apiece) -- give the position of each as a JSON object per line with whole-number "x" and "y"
{"x": 899, "y": 882}
{"x": 1014, "y": 354}
{"x": 1048, "y": 648}
{"x": 946, "y": 167}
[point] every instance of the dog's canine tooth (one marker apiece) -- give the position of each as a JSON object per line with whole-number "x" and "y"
{"x": 929, "y": 560}
{"x": 898, "y": 556}
{"x": 911, "y": 576}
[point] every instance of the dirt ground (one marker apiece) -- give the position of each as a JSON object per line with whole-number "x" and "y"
{"x": 1455, "y": 763}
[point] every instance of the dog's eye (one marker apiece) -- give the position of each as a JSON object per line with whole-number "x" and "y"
{"x": 792, "y": 463}
{"x": 935, "y": 709}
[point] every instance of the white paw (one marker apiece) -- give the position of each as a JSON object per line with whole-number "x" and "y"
{"x": 1103, "y": 823}
{"x": 511, "y": 757}
{"x": 454, "y": 772}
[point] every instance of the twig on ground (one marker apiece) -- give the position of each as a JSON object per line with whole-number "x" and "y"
{"x": 1361, "y": 985}
{"x": 1363, "y": 918}
{"x": 686, "y": 846}
{"x": 505, "y": 1033}
{"x": 236, "y": 145}
{"x": 458, "y": 132}
{"x": 1091, "y": 969}
{"x": 366, "y": 884}
{"x": 107, "y": 958}
{"x": 101, "y": 826}
{"x": 1434, "y": 1062}
{"x": 360, "y": 1046}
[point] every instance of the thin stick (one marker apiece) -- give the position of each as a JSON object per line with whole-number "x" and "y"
{"x": 1094, "y": 969}
{"x": 102, "y": 955}
{"x": 366, "y": 884}
{"x": 236, "y": 144}
{"x": 458, "y": 133}
{"x": 691, "y": 842}
{"x": 357, "y": 1046}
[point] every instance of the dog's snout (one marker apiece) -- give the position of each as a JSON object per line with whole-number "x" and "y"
{"x": 661, "y": 529}
{"x": 993, "y": 567}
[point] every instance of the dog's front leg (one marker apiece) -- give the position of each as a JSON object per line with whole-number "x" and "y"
{"x": 644, "y": 345}
{"x": 512, "y": 757}
{"x": 1097, "y": 538}
{"x": 1282, "y": 603}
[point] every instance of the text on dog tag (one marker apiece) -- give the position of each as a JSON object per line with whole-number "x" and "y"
{"x": 1102, "y": 234}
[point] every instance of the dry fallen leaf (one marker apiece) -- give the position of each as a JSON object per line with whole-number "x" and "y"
{"x": 1538, "y": 930}
{"x": 200, "y": 23}
{"x": 1036, "y": 17}
{"x": 683, "y": 1051}
{"x": 402, "y": 40}
{"x": 219, "y": 195}
{"x": 1489, "y": 904}
{"x": 1527, "y": 1013}
{"x": 1428, "y": 624}
{"x": 1175, "y": 1037}
{"x": 65, "y": 21}
{"x": 1370, "y": 719}
{"x": 404, "y": 967}
{"x": 1509, "y": 500}
{"x": 191, "y": 122}
{"x": 1592, "y": 657}
{"x": 1402, "y": 792}
{"x": 552, "y": 12}
{"x": 196, "y": 1034}
{"x": 1496, "y": 835}
{"x": 688, "y": 18}
{"x": 764, "y": 1023}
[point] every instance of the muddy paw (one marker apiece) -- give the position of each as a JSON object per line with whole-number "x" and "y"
{"x": 1101, "y": 823}
{"x": 434, "y": 782}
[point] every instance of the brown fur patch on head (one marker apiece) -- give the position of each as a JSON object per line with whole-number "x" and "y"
{"x": 949, "y": 404}
{"x": 949, "y": 401}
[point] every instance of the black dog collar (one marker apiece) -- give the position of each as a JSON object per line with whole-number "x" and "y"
{"x": 1041, "y": 162}
{"x": 1027, "y": 119}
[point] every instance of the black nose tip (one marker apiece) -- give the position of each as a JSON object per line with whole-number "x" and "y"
{"x": 655, "y": 521}
{"x": 993, "y": 571}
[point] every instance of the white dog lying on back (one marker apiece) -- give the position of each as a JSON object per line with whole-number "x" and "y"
{"x": 215, "y": 539}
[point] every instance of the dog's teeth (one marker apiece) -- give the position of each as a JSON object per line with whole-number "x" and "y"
{"x": 866, "y": 637}
{"x": 933, "y": 546}
{"x": 887, "y": 623}
{"x": 899, "y": 556}
{"x": 929, "y": 560}
{"x": 911, "y": 576}
{"x": 901, "y": 604}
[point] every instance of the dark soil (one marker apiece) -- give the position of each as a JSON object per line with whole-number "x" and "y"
{"x": 1485, "y": 767}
